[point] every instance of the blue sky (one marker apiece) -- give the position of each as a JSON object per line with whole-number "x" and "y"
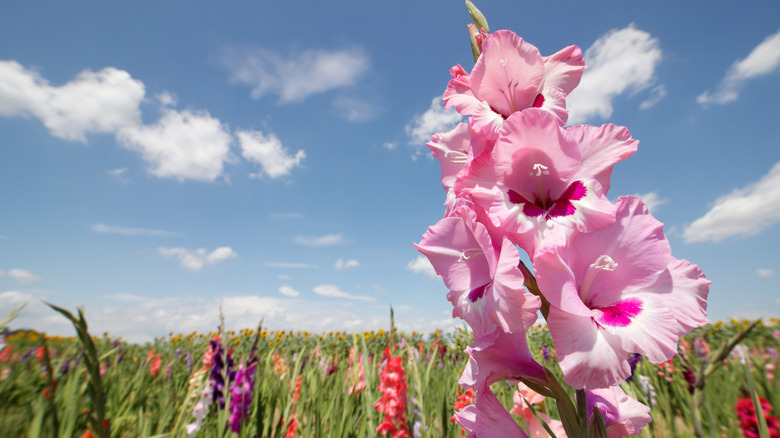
{"x": 160, "y": 159}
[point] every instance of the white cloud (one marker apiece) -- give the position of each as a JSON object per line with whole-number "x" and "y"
{"x": 296, "y": 76}
{"x": 656, "y": 94}
{"x": 622, "y": 60}
{"x": 764, "y": 273}
{"x": 126, "y": 231}
{"x": 326, "y": 240}
{"x": 194, "y": 260}
{"x": 268, "y": 152}
{"x": 102, "y": 101}
{"x": 652, "y": 200}
{"x": 291, "y": 265}
{"x": 354, "y": 109}
{"x": 21, "y": 275}
{"x": 743, "y": 212}
{"x": 141, "y": 319}
{"x": 421, "y": 265}
{"x": 331, "y": 291}
{"x": 342, "y": 264}
{"x": 435, "y": 119}
{"x": 288, "y": 291}
{"x": 118, "y": 175}
{"x": 762, "y": 60}
{"x": 181, "y": 145}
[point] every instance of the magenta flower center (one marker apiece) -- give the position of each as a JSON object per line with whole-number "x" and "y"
{"x": 539, "y": 101}
{"x": 478, "y": 292}
{"x": 543, "y": 205}
{"x": 619, "y": 314}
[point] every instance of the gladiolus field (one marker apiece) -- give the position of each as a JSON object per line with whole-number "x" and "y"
{"x": 577, "y": 319}
{"x": 260, "y": 382}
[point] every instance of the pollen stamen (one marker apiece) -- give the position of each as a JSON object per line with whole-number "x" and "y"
{"x": 460, "y": 157}
{"x": 602, "y": 263}
{"x": 465, "y": 256}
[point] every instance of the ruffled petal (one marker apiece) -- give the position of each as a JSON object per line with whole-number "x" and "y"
{"x": 487, "y": 417}
{"x": 563, "y": 70}
{"x": 589, "y": 356}
{"x": 509, "y": 73}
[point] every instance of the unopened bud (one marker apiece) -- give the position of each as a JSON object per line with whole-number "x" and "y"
{"x": 477, "y": 17}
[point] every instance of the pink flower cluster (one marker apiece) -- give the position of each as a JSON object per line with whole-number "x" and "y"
{"x": 517, "y": 179}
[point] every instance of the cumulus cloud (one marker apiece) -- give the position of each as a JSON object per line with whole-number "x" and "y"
{"x": 762, "y": 60}
{"x": 291, "y": 265}
{"x": 194, "y": 260}
{"x": 764, "y": 273}
{"x": 288, "y": 291}
{"x": 21, "y": 275}
{"x": 652, "y": 200}
{"x": 743, "y": 212}
{"x": 181, "y": 145}
{"x": 92, "y": 102}
{"x": 118, "y": 175}
{"x": 326, "y": 240}
{"x": 269, "y": 153}
{"x": 127, "y": 231}
{"x": 295, "y": 76}
{"x": 622, "y": 60}
{"x": 331, "y": 291}
{"x": 342, "y": 264}
{"x": 141, "y": 319}
{"x": 421, "y": 265}
{"x": 354, "y": 109}
{"x": 435, "y": 119}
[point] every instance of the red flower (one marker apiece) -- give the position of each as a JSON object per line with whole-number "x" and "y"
{"x": 155, "y": 364}
{"x": 393, "y": 401}
{"x": 749, "y": 420}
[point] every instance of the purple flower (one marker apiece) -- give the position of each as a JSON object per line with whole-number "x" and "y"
{"x": 633, "y": 361}
{"x": 188, "y": 359}
{"x": 546, "y": 352}
{"x": 241, "y": 392}
{"x": 26, "y": 355}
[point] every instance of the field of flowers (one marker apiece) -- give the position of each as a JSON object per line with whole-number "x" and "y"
{"x": 282, "y": 384}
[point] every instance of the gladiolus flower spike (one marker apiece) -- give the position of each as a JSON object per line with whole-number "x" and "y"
{"x": 603, "y": 274}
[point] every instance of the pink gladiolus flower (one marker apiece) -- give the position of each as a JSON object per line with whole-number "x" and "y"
{"x": 540, "y": 175}
{"x": 502, "y": 356}
{"x": 623, "y": 415}
{"x": 618, "y": 291}
{"x": 510, "y": 76}
{"x": 535, "y": 428}
{"x": 393, "y": 401}
{"x": 355, "y": 376}
{"x": 488, "y": 418}
{"x": 486, "y": 286}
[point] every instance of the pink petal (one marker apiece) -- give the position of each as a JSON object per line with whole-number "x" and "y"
{"x": 563, "y": 70}
{"x": 651, "y": 331}
{"x": 513, "y": 308}
{"x": 690, "y": 290}
{"x": 451, "y": 149}
{"x": 623, "y": 415}
{"x": 589, "y": 356}
{"x": 487, "y": 417}
{"x": 502, "y": 356}
{"x": 509, "y": 73}
{"x": 601, "y": 149}
{"x": 460, "y": 250}
{"x": 635, "y": 242}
